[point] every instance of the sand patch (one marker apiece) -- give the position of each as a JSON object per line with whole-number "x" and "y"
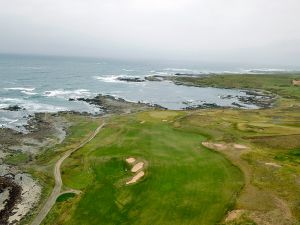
{"x": 214, "y": 145}
{"x": 130, "y": 160}
{"x": 137, "y": 167}
{"x": 296, "y": 82}
{"x": 272, "y": 164}
{"x": 4, "y": 197}
{"x": 138, "y": 176}
{"x": 31, "y": 192}
{"x": 239, "y": 146}
{"x": 233, "y": 215}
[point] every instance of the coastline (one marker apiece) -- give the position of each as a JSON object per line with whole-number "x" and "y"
{"x": 55, "y": 127}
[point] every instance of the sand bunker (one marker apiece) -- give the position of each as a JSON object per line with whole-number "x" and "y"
{"x": 137, "y": 167}
{"x": 142, "y": 122}
{"x": 224, "y": 146}
{"x": 138, "y": 176}
{"x": 130, "y": 160}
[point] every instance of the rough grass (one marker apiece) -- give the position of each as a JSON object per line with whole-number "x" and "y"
{"x": 17, "y": 158}
{"x": 184, "y": 182}
{"x": 280, "y": 84}
{"x": 273, "y": 138}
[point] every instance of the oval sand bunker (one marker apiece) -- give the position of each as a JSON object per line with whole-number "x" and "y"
{"x": 138, "y": 176}
{"x": 130, "y": 160}
{"x": 137, "y": 169}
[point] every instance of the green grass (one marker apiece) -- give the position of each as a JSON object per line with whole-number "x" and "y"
{"x": 280, "y": 84}
{"x": 17, "y": 158}
{"x": 184, "y": 183}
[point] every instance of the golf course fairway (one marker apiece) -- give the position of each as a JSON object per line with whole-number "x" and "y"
{"x": 184, "y": 183}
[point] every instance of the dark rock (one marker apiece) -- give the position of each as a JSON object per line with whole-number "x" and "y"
{"x": 112, "y": 104}
{"x": 14, "y": 197}
{"x": 237, "y": 104}
{"x": 131, "y": 79}
{"x": 204, "y": 106}
{"x": 226, "y": 97}
{"x": 13, "y": 108}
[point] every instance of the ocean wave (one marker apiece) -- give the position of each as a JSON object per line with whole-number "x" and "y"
{"x": 41, "y": 107}
{"x": 29, "y": 93}
{"x": 268, "y": 70}
{"x": 60, "y": 93}
{"x": 172, "y": 71}
{"x": 3, "y": 106}
{"x": 7, "y": 120}
{"x": 11, "y": 100}
{"x": 178, "y": 69}
{"x": 20, "y": 89}
{"x": 159, "y": 73}
{"x": 30, "y": 106}
{"x": 109, "y": 78}
{"x": 115, "y": 78}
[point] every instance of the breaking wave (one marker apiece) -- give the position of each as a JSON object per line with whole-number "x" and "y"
{"x": 66, "y": 94}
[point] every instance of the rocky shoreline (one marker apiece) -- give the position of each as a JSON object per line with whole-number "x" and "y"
{"x": 10, "y": 195}
{"x": 111, "y": 104}
{"x": 261, "y": 99}
{"x": 19, "y": 192}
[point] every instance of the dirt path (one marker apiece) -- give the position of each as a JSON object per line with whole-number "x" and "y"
{"x": 58, "y": 181}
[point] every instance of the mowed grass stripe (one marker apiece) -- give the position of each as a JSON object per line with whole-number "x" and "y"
{"x": 184, "y": 182}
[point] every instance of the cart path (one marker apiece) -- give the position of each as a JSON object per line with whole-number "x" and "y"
{"x": 58, "y": 181}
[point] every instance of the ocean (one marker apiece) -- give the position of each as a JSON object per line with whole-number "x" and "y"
{"x": 45, "y": 84}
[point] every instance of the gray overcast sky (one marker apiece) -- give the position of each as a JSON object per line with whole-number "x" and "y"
{"x": 258, "y": 31}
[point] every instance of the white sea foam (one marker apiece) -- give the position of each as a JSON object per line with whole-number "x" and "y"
{"x": 20, "y": 89}
{"x": 29, "y": 93}
{"x": 159, "y": 73}
{"x": 115, "y": 78}
{"x": 60, "y": 93}
{"x": 268, "y": 70}
{"x": 3, "y": 106}
{"x": 11, "y": 100}
{"x": 41, "y": 107}
{"x": 7, "y": 120}
{"x": 109, "y": 78}
{"x": 30, "y": 106}
{"x": 178, "y": 69}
